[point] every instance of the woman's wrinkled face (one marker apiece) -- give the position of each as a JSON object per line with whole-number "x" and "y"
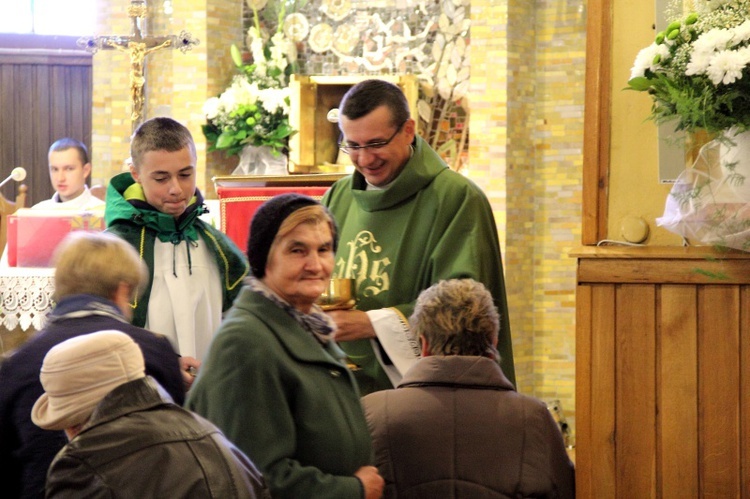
{"x": 299, "y": 264}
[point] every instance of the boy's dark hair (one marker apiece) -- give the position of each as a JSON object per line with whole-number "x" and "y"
{"x": 160, "y": 134}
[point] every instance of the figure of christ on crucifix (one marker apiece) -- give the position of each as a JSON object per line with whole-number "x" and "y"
{"x": 138, "y": 45}
{"x": 138, "y": 52}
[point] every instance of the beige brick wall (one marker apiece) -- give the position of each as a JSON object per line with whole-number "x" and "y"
{"x": 177, "y": 84}
{"x": 526, "y": 152}
{"x": 111, "y": 107}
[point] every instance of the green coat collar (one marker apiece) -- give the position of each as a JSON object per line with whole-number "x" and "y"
{"x": 126, "y": 200}
{"x": 421, "y": 169}
{"x": 141, "y": 226}
{"x": 299, "y": 344}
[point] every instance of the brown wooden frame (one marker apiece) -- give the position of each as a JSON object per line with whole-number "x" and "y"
{"x": 597, "y": 115}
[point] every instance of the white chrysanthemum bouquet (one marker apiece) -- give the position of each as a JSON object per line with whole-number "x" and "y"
{"x": 697, "y": 72}
{"x": 254, "y": 110}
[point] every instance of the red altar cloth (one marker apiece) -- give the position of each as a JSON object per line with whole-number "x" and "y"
{"x": 238, "y": 204}
{"x": 33, "y": 235}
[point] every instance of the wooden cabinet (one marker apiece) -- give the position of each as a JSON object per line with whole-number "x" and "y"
{"x": 662, "y": 373}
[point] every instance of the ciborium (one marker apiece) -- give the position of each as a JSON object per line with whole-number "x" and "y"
{"x": 340, "y": 294}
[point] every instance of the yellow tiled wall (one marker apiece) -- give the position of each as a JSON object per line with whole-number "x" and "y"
{"x": 527, "y": 94}
{"x": 111, "y": 106}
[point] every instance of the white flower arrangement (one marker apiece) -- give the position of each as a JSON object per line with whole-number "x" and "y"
{"x": 697, "y": 70}
{"x": 254, "y": 109}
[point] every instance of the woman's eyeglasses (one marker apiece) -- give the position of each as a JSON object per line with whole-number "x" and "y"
{"x": 348, "y": 149}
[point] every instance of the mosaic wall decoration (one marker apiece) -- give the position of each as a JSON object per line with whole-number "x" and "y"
{"x": 428, "y": 38}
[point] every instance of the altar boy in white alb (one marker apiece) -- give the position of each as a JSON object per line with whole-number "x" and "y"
{"x": 196, "y": 271}
{"x": 69, "y": 167}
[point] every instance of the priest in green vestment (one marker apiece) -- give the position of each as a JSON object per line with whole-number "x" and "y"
{"x": 406, "y": 221}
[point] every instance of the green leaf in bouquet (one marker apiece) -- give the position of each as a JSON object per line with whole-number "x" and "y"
{"x": 639, "y": 83}
{"x": 225, "y": 140}
{"x": 236, "y": 55}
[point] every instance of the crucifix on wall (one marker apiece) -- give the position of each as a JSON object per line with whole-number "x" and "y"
{"x": 138, "y": 45}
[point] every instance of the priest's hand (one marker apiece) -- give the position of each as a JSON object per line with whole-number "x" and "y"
{"x": 352, "y": 325}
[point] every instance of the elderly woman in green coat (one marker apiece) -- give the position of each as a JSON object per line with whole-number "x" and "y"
{"x": 274, "y": 381}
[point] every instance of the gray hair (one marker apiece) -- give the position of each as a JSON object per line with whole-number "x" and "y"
{"x": 457, "y": 317}
{"x": 95, "y": 263}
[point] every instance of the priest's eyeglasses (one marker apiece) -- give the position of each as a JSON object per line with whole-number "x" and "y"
{"x": 349, "y": 149}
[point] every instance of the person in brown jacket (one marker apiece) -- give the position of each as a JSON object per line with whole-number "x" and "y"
{"x": 455, "y": 426}
{"x": 127, "y": 437}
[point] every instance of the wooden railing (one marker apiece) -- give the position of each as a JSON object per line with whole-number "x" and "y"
{"x": 662, "y": 373}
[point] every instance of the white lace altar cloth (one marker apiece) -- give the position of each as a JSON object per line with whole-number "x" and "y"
{"x": 25, "y": 297}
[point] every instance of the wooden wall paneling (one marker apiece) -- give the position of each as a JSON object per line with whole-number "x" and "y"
{"x": 42, "y": 131}
{"x": 688, "y": 271}
{"x": 677, "y": 392}
{"x": 25, "y": 142}
{"x": 635, "y": 374}
{"x": 584, "y": 379}
{"x": 60, "y": 111}
{"x": 719, "y": 385}
{"x": 6, "y": 104}
{"x": 32, "y": 126}
{"x": 681, "y": 366}
{"x": 75, "y": 98}
{"x": 84, "y": 86}
{"x": 43, "y": 96}
{"x": 86, "y": 91}
{"x": 745, "y": 391}
{"x": 604, "y": 432}
{"x": 76, "y": 102}
{"x": 80, "y": 100}
{"x": 66, "y": 96}
{"x": 7, "y": 130}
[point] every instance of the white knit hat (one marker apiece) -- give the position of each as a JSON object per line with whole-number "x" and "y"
{"x": 79, "y": 372}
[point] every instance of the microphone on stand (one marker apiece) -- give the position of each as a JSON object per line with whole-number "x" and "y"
{"x": 16, "y": 174}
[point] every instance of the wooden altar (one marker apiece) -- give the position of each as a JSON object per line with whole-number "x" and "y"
{"x": 662, "y": 373}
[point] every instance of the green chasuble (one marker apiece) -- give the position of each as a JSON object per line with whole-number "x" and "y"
{"x": 430, "y": 224}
